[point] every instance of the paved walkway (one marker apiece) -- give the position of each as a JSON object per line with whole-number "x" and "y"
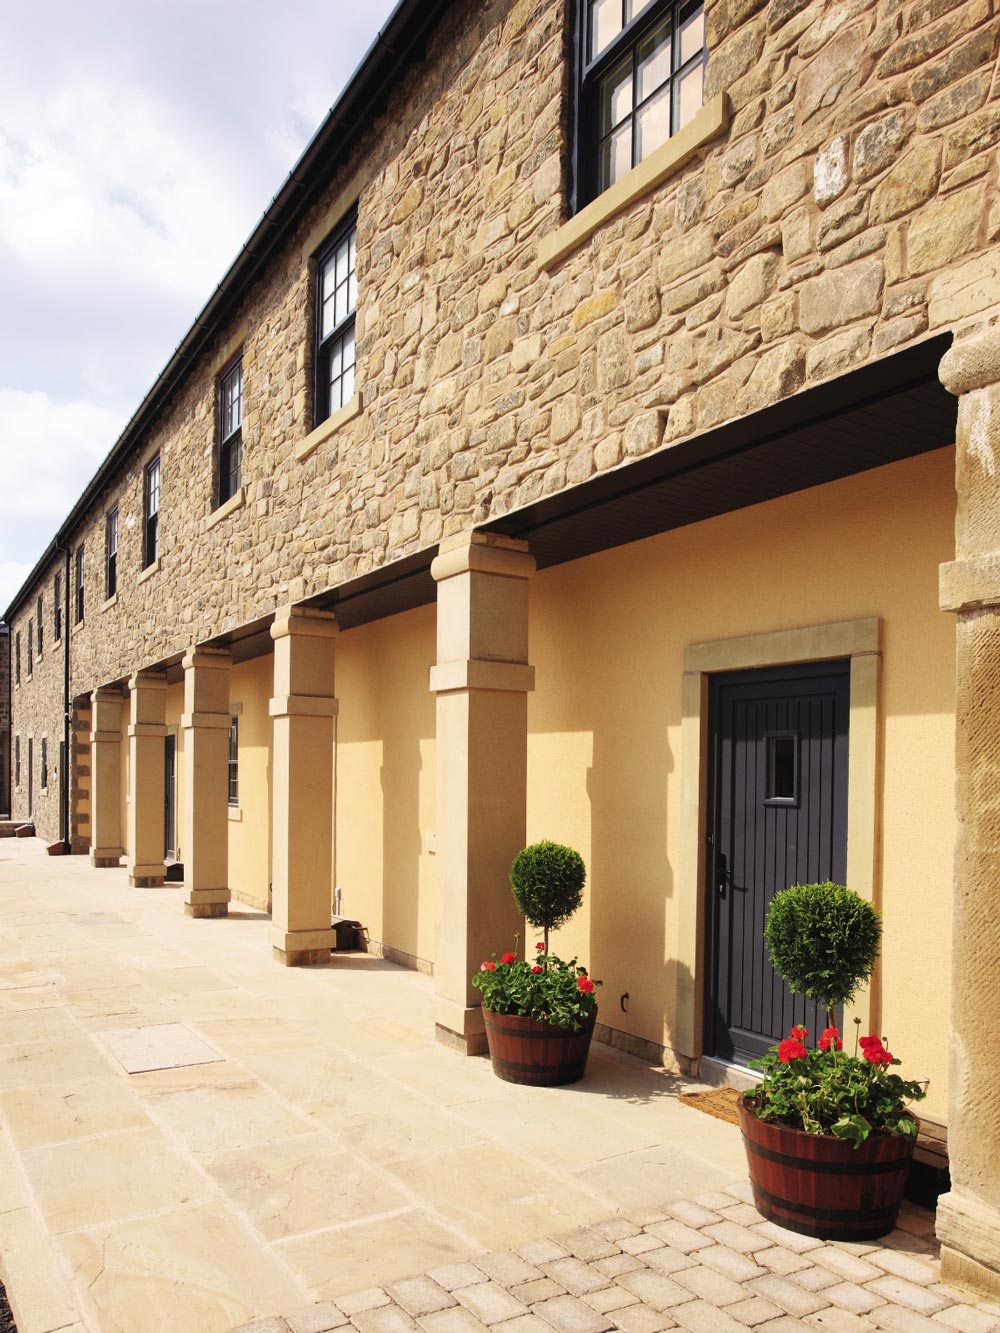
{"x": 193, "y": 1138}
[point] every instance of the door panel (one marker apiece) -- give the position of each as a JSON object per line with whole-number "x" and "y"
{"x": 169, "y": 798}
{"x": 777, "y": 816}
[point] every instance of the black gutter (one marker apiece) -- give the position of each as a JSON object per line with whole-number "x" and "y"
{"x": 399, "y": 44}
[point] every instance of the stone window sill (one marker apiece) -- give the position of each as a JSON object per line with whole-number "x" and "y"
{"x": 78, "y": 625}
{"x": 711, "y": 121}
{"x": 112, "y": 601}
{"x": 234, "y": 502}
{"x": 235, "y": 814}
{"x": 149, "y": 571}
{"x": 327, "y": 428}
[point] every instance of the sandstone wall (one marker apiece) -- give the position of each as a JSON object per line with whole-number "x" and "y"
{"x": 850, "y": 208}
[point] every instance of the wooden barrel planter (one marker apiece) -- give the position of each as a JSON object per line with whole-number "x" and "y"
{"x": 524, "y": 1050}
{"x": 822, "y": 1186}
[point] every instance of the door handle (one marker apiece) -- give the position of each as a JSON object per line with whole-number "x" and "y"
{"x": 721, "y": 874}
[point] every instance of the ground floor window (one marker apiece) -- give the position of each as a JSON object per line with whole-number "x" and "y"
{"x": 234, "y": 761}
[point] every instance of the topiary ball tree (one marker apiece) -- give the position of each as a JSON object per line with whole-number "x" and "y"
{"x": 824, "y": 940}
{"x": 547, "y": 880}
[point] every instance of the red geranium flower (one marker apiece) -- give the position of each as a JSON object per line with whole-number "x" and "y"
{"x": 800, "y": 1032}
{"x": 584, "y": 985}
{"x": 874, "y": 1052}
{"x": 830, "y": 1037}
{"x": 791, "y": 1049}
{"x": 488, "y": 967}
{"x": 508, "y": 958}
{"x": 539, "y": 946}
{"x": 538, "y": 968}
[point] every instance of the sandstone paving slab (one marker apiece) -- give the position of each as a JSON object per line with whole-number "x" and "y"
{"x": 159, "y": 1046}
{"x": 36, "y": 1025}
{"x": 304, "y": 1184}
{"x": 40, "y": 1298}
{"x": 223, "y": 1114}
{"x": 398, "y": 1132}
{"x": 56, "y": 1112}
{"x": 192, "y": 1269}
{"x": 119, "y": 1175}
{"x": 50, "y": 1062}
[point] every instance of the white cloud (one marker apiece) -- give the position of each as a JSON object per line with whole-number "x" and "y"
{"x": 12, "y": 575}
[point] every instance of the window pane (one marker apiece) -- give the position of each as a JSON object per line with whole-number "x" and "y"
{"x": 692, "y": 36}
{"x": 605, "y": 24}
{"x": 329, "y": 323}
{"x": 690, "y": 95}
{"x": 654, "y": 61}
{"x": 616, "y": 155}
{"x": 781, "y": 767}
{"x": 633, "y": 7}
{"x": 652, "y": 124}
{"x": 616, "y": 96}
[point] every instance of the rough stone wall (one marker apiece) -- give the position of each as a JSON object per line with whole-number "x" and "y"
{"x": 4, "y": 721}
{"x": 37, "y": 710}
{"x": 850, "y": 209}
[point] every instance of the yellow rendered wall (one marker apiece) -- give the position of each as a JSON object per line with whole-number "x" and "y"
{"x": 126, "y": 771}
{"x": 250, "y": 684}
{"x": 607, "y": 638}
{"x": 385, "y": 780}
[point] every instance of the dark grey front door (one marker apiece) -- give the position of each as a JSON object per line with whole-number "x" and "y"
{"x": 170, "y": 798}
{"x": 31, "y": 777}
{"x": 777, "y": 816}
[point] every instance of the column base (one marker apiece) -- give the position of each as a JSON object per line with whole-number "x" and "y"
{"x": 969, "y": 1232}
{"x": 146, "y": 876}
{"x": 207, "y": 902}
{"x": 302, "y": 948}
{"x": 105, "y": 858}
{"x": 461, "y": 1029}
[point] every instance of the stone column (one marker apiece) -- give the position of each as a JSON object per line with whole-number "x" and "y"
{"x": 968, "y": 1219}
{"x": 106, "y": 777}
{"x": 205, "y": 816}
{"x": 302, "y": 764}
{"x": 481, "y": 680}
{"x": 146, "y": 733}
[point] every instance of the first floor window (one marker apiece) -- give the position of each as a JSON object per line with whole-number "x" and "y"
{"x": 641, "y": 79}
{"x": 44, "y": 765}
{"x": 337, "y": 299}
{"x": 111, "y": 553}
{"x": 17, "y": 761}
{"x": 17, "y": 658}
{"x": 234, "y": 761}
{"x": 57, "y": 608}
{"x": 40, "y": 627}
{"x": 79, "y": 584}
{"x": 31, "y": 651}
{"x": 151, "y": 512}
{"x": 231, "y": 431}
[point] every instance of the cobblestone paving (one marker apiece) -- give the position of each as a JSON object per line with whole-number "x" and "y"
{"x": 711, "y": 1264}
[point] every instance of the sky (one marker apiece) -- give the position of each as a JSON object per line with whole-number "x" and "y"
{"x": 140, "y": 142}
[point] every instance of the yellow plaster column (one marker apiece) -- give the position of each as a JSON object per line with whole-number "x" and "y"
{"x": 304, "y": 709}
{"x": 106, "y": 777}
{"x": 968, "y": 1219}
{"x": 481, "y": 680}
{"x": 148, "y": 690}
{"x": 205, "y": 816}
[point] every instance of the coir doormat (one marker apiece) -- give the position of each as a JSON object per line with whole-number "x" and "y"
{"x": 720, "y": 1102}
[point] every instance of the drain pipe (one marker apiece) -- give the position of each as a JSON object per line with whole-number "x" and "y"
{"x": 64, "y": 775}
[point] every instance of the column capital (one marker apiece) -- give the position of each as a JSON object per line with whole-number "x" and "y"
{"x": 307, "y": 621}
{"x": 970, "y": 585}
{"x": 217, "y": 658}
{"x": 111, "y": 694}
{"x": 971, "y": 363}
{"x": 483, "y": 552}
{"x": 148, "y": 680}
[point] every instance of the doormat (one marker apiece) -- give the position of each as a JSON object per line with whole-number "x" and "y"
{"x": 720, "y": 1102}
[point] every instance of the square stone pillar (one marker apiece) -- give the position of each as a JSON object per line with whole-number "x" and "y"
{"x": 481, "y": 680}
{"x": 304, "y": 708}
{"x": 205, "y": 816}
{"x": 968, "y": 1219}
{"x": 146, "y": 734}
{"x": 106, "y": 777}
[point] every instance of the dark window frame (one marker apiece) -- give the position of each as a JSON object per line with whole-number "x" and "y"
{"x": 40, "y": 625}
{"x": 771, "y": 776}
{"x": 111, "y": 552}
{"x": 79, "y": 572}
{"x": 43, "y": 764}
{"x": 587, "y": 76}
{"x": 31, "y": 648}
{"x": 230, "y": 451}
{"x": 17, "y": 761}
{"x": 17, "y": 658}
{"x": 151, "y": 512}
{"x": 57, "y": 609}
{"x": 325, "y": 345}
{"x": 234, "y": 761}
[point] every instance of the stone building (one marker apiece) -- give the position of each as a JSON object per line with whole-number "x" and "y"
{"x": 4, "y": 720}
{"x": 573, "y": 452}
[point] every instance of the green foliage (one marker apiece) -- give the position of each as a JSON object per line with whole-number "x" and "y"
{"x": 547, "y": 880}
{"x": 830, "y": 1092}
{"x": 824, "y": 940}
{"x": 545, "y": 988}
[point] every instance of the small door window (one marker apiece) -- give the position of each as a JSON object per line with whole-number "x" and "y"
{"x": 782, "y": 749}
